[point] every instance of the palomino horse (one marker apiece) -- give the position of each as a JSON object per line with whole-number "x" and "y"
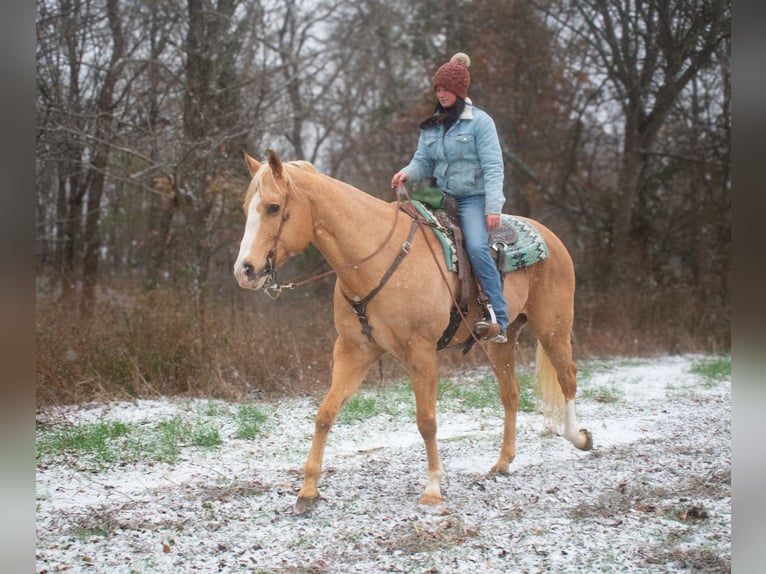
{"x": 289, "y": 205}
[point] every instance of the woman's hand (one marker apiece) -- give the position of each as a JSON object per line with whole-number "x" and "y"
{"x": 398, "y": 180}
{"x": 493, "y": 220}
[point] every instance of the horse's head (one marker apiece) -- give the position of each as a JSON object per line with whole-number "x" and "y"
{"x": 277, "y": 225}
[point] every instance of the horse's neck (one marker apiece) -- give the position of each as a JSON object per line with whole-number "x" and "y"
{"x": 349, "y": 226}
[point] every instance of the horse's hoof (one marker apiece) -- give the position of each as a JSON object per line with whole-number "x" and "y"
{"x": 305, "y": 504}
{"x": 430, "y": 499}
{"x": 588, "y": 440}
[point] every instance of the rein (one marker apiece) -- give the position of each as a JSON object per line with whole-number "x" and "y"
{"x": 273, "y": 287}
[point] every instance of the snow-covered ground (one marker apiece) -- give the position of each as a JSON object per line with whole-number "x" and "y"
{"x": 654, "y": 494}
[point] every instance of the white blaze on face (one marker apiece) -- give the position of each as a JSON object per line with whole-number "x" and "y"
{"x": 252, "y": 225}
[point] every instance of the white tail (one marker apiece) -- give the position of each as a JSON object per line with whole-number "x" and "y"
{"x": 550, "y": 398}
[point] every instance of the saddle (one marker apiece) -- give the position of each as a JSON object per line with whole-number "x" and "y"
{"x": 514, "y": 244}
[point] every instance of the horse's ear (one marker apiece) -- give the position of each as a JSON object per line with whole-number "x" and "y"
{"x": 275, "y": 163}
{"x": 252, "y": 164}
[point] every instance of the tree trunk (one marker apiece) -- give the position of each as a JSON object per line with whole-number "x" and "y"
{"x": 72, "y": 234}
{"x": 97, "y": 171}
{"x": 161, "y": 230}
{"x": 92, "y": 237}
{"x": 628, "y": 181}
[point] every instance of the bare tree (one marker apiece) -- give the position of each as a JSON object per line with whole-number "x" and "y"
{"x": 60, "y": 136}
{"x": 649, "y": 51}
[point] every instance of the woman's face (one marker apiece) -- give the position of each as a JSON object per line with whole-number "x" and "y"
{"x": 446, "y": 98}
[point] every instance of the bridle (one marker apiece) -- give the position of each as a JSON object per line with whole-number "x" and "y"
{"x": 273, "y": 288}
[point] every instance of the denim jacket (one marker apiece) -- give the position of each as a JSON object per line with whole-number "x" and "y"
{"x": 467, "y": 160}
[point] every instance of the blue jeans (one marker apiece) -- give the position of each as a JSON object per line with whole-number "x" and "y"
{"x": 473, "y": 222}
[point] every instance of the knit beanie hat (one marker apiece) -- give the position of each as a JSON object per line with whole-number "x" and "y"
{"x": 454, "y": 76}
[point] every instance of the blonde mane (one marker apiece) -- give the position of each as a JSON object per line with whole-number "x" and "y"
{"x": 288, "y": 167}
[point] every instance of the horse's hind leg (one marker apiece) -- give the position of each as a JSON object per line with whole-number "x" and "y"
{"x": 555, "y": 364}
{"x": 350, "y": 364}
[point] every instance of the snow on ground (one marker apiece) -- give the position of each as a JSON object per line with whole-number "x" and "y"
{"x": 654, "y": 495}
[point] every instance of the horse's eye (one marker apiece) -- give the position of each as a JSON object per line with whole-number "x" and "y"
{"x": 272, "y": 208}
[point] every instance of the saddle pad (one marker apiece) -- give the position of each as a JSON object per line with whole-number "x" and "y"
{"x": 445, "y": 237}
{"x": 516, "y": 244}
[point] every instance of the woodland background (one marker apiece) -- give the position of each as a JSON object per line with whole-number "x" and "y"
{"x": 614, "y": 117}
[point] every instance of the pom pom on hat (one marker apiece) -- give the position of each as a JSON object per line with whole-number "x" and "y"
{"x": 461, "y": 58}
{"x": 454, "y": 76}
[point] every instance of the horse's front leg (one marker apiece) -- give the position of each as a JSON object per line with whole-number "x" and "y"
{"x": 423, "y": 370}
{"x": 350, "y": 364}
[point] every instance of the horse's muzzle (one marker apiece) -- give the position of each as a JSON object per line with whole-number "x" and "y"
{"x": 248, "y": 277}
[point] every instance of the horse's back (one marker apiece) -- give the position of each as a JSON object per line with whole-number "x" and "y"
{"x": 544, "y": 291}
{"x": 559, "y": 260}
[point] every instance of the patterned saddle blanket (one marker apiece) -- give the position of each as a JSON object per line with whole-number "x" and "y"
{"x": 514, "y": 244}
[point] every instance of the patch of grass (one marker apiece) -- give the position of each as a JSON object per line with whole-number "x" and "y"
{"x": 205, "y": 436}
{"x": 396, "y": 400}
{"x": 213, "y": 409}
{"x": 601, "y": 394}
{"x": 171, "y": 431}
{"x": 360, "y": 407}
{"x": 713, "y": 370}
{"x": 400, "y": 392}
{"x": 473, "y": 395}
{"x": 626, "y": 362}
{"x": 97, "y": 438}
{"x": 527, "y": 393}
{"x": 157, "y": 443}
{"x": 88, "y": 533}
{"x": 586, "y": 370}
{"x": 250, "y": 421}
{"x": 108, "y": 442}
{"x": 112, "y": 442}
{"x": 485, "y": 393}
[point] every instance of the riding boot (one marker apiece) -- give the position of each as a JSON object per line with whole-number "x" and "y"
{"x": 488, "y": 328}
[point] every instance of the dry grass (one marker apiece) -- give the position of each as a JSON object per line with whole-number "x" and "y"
{"x": 147, "y": 344}
{"x": 150, "y": 343}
